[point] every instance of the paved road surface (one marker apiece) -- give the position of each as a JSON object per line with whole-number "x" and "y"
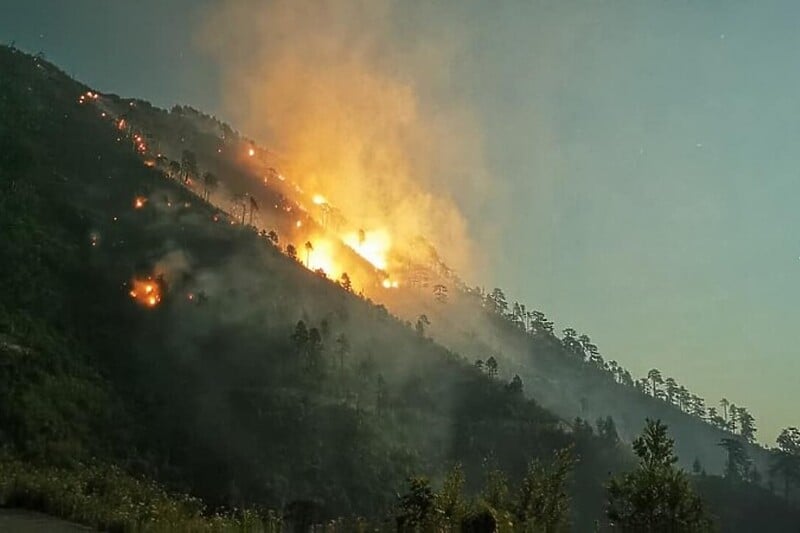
{"x": 20, "y": 521}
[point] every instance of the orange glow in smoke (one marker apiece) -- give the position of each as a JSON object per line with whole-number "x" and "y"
{"x": 139, "y": 202}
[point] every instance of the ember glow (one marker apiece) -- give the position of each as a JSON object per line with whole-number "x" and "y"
{"x": 139, "y": 202}
{"x": 146, "y": 292}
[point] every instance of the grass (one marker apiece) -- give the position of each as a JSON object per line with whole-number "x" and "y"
{"x": 109, "y": 499}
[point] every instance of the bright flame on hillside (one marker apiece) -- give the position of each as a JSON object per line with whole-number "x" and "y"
{"x": 319, "y": 199}
{"x": 251, "y": 152}
{"x": 146, "y": 292}
{"x": 322, "y": 257}
{"x": 371, "y": 245}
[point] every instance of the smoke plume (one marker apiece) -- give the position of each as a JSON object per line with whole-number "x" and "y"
{"x": 355, "y": 98}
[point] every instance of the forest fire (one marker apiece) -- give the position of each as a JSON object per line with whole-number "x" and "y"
{"x": 371, "y": 245}
{"x": 146, "y": 292}
{"x": 320, "y": 256}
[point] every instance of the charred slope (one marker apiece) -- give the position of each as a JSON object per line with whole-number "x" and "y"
{"x": 216, "y": 388}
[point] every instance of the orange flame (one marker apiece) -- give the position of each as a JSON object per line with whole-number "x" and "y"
{"x": 371, "y": 245}
{"x": 146, "y": 292}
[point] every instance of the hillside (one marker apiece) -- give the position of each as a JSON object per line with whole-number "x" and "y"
{"x": 143, "y": 324}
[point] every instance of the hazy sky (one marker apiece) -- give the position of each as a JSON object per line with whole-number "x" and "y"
{"x": 643, "y": 157}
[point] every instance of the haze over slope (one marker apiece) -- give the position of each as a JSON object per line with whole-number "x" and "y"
{"x": 590, "y": 118}
{"x": 157, "y": 326}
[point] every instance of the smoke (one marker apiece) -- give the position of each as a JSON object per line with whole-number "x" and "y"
{"x": 356, "y": 98}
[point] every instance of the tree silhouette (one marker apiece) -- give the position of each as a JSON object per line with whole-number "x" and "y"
{"x": 724, "y": 404}
{"x": 300, "y": 337}
{"x": 515, "y": 385}
{"x": 542, "y": 503}
{"x": 291, "y": 251}
{"x": 655, "y": 379}
{"x": 607, "y": 431}
{"x": 491, "y": 366}
{"x": 747, "y": 425}
{"x": 589, "y": 351}
{"x": 440, "y": 293}
{"x": 496, "y": 302}
{"x": 697, "y": 406}
{"x": 785, "y": 459}
{"x": 309, "y": 249}
{"x": 671, "y": 390}
{"x": 314, "y": 352}
{"x": 342, "y": 350}
{"x": 253, "y": 208}
{"x": 188, "y": 165}
{"x": 450, "y": 499}
{"x": 417, "y": 508}
{"x": 539, "y": 323}
{"x": 656, "y": 496}
{"x": 210, "y": 183}
{"x": 684, "y": 398}
{"x": 174, "y": 169}
{"x": 737, "y": 465}
{"x": 733, "y": 418}
{"x": 422, "y": 322}
{"x": 345, "y": 282}
{"x": 571, "y": 343}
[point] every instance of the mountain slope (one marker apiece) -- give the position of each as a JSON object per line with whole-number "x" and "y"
{"x": 216, "y": 388}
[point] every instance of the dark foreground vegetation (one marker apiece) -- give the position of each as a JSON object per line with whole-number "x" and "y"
{"x": 256, "y": 384}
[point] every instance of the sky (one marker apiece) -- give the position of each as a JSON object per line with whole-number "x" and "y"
{"x": 641, "y": 161}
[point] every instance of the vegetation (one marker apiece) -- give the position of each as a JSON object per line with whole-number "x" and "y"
{"x": 657, "y": 496}
{"x": 735, "y": 420}
{"x": 108, "y": 499}
{"x": 253, "y": 383}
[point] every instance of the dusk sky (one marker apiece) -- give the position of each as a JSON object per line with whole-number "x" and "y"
{"x": 641, "y": 156}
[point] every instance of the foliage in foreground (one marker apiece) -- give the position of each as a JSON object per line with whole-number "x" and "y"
{"x": 539, "y": 503}
{"x": 108, "y": 499}
{"x": 656, "y": 496}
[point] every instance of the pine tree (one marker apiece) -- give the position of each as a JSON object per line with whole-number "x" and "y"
{"x": 656, "y": 496}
